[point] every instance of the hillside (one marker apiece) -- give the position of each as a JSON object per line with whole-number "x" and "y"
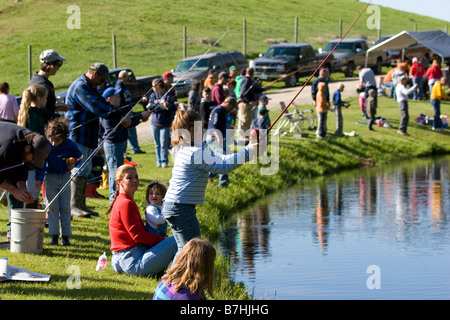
{"x": 149, "y": 33}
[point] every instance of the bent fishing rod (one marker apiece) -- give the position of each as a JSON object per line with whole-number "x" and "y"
{"x": 318, "y": 68}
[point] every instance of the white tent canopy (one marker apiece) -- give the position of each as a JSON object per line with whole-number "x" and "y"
{"x": 437, "y": 41}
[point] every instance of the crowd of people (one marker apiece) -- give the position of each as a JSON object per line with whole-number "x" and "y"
{"x": 425, "y": 77}
{"x": 40, "y": 145}
{"x": 49, "y": 146}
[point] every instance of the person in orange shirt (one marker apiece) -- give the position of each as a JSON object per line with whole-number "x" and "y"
{"x": 387, "y": 81}
{"x": 322, "y": 107}
{"x": 211, "y": 79}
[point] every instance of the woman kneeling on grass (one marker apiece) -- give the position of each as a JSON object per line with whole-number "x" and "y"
{"x": 135, "y": 251}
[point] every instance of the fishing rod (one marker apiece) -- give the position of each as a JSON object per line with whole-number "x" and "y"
{"x": 12, "y": 167}
{"x": 318, "y": 68}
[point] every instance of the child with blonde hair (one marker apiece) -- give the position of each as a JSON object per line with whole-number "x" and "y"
{"x": 191, "y": 276}
{"x": 192, "y": 163}
{"x": 31, "y": 109}
{"x": 31, "y": 116}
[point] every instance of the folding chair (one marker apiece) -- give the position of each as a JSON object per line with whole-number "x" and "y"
{"x": 289, "y": 119}
{"x": 307, "y": 117}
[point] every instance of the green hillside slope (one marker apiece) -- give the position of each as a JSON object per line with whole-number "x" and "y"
{"x": 149, "y": 34}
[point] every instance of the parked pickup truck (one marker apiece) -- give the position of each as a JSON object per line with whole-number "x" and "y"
{"x": 352, "y": 52}
{"x": 197, "y": 68}
{"x": 289, "y": 60}
{"x": 139, "y": 86}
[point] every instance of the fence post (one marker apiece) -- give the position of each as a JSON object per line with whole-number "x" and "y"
{"x": 30, "y": 65}
{"x": 114, "y": 52}
{"x": 340, "y": 28}
{"x": 296, "y": 30}
{"x": 244, "y": 40}
{"x": 446, "y": 28}
{"x": 415, "y": 26}
{"x": 184, "y": 41}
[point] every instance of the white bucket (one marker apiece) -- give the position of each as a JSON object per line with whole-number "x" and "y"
{"x": 27, "y": 231}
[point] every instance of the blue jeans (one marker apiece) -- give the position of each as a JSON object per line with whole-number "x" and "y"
{"x": 183, "y": 221}
{"x": 161, "y": 137}
{"x": 86, "y": 170}
{"x": 437, "y": 113}
{"x": 133, "y": 140}
{"x": 114, "y": 158}
{"x": 419, "y": 82}
{"x": 142, "y": 260}
{"x": 60, "y": 208}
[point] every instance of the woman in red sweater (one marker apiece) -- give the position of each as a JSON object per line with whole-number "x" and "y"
{"x": 135, "y": 251}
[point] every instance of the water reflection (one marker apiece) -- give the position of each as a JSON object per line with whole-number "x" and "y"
{"x": 381, "y": 213}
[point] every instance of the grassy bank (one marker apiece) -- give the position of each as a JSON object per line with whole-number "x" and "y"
{"x": 149, "y": 34}
{"x": 299, "y": 160}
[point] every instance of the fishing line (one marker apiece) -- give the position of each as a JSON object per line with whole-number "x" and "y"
{"x": 320, "y": 66}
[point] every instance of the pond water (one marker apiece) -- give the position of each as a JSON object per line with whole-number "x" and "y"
{"x": 378, "y": 233}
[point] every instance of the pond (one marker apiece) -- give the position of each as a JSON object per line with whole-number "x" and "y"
{"x": 372, "y": 233}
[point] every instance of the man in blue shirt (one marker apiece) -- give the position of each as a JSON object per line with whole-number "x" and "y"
{"x": 216, "y": 136}
{"x": 86, "y": 107}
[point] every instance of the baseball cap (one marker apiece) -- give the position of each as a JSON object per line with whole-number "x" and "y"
{"x": 100, "y": 68}
{"x": 232, "y": 67}
{"x": 124, "y": 72}
{"x": 109, "y": 92}
{"x": 223, "y": 74}
{"x": 50, "y": 56}
{"x": 167, "y": 74}
{"x": 264, "y": 97}
{"x": 41, "y": 148}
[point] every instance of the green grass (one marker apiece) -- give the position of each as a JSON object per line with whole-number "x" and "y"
{"x": 149, "y": 40}
{"x": 300, "y": 159}
{"x": 149, "y": 33}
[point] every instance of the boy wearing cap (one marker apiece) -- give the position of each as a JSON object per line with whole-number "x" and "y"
{"x": 115, "y": 139}
{"x": 49, "y": 64}
{"x": 19, "y": 149}
{"x": 168, "y": 80}
{"x": 86, "y": 107}
{"x": 217, "y": 91}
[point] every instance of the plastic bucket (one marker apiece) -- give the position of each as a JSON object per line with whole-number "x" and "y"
{"x": 27, "y": 231}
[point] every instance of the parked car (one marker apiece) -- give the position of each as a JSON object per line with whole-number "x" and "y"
{"x": 289, "y": 60}
{"x": 352, "y": 52}
{"x": 139, "y": 86}
{"x": 197, "y": 67}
